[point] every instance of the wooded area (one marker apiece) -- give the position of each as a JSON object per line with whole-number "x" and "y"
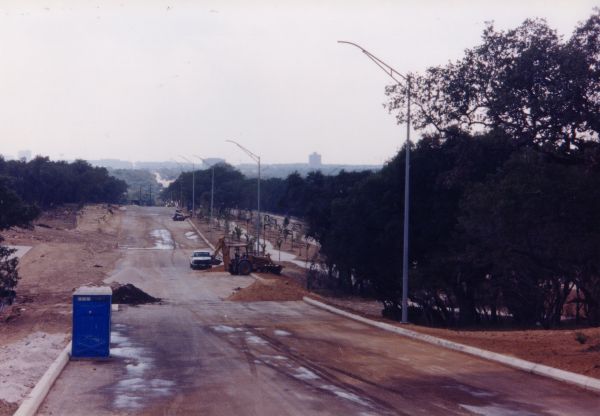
{"x": 505, "y": 181}
{"x": 27, "y": 187}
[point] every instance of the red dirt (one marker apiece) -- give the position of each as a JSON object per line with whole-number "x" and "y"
{"x": 7, "y": 408}
{"x": 279, "y": 288}
{"x": 555, "y": 348}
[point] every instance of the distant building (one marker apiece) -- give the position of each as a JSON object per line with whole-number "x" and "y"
{"x": 314, "y": 160}
{"x": 24, "y": 154}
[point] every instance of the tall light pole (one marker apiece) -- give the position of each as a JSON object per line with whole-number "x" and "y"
{"x": 212, "y": 190}
{"x": 392, "y": 73}
{"x": 256, "y": 158}
{"x": 193, "y": 184}
{"x": 180, "y": 182}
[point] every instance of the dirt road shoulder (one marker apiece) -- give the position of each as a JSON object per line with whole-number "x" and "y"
{"x": 69, "y": 249}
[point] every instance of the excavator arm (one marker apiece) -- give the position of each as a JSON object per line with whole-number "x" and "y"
{"x": 219, "y": 247}
{"x": 223, "y": 248}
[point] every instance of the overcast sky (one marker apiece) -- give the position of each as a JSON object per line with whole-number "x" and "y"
{"x": 151, "y": 80}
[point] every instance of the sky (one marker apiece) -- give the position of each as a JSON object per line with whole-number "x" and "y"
{"x": 147, "y": 80}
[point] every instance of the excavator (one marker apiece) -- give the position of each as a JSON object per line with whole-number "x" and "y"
{"x": 244, "y": 261}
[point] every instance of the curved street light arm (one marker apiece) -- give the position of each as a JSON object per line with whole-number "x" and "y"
{"x": 210, "y": 165}
{"x": 388, "y": 69}
{"x": 255, "y": 157}
{"x": 187, "y": 160}
{"x": 178, "y": 164}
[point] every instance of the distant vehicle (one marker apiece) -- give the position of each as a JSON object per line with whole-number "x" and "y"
{"x": 201, "y": 260}
{"x": 179, "y": 216}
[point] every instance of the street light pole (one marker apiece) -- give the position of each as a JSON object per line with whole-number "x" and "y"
{"x": 212, "y": 191}
{"x": 392, "y": 73}
{"x": 256, "y": 158}
{"x": 193, "y": 185}
{"x": 180, "y": 182}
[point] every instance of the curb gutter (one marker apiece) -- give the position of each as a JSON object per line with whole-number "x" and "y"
{"x": 200, "y": 234}
{"x": 34, "y": 399}
{"x": 588, "y": 383}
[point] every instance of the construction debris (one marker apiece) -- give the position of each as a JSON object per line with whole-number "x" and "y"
{"x": 131, "y": 295}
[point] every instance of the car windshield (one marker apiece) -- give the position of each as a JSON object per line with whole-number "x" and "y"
{"x": 201, "y": 254}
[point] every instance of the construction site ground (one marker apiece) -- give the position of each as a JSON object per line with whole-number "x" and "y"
{"x": 230, "y": 345}
{"x": 69, "y": 248}
{"x": 560, "y": 348}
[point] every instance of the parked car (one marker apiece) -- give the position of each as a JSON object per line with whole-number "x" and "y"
{"x": 201, "y": 260}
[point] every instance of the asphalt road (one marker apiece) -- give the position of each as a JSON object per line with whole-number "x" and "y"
{"x": 197, "y": 354}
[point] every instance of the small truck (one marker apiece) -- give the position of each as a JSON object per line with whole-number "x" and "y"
{"x": 201, "y": 260}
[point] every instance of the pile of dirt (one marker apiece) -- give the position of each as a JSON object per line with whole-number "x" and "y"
{"x": 131, "y": 295}
{"x": 270, "y": 289}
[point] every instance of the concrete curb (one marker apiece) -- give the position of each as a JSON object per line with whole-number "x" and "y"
{"x": 256, "y": 277}
{"x": 588, "y": 383}
{"x": 201, "y": 235}
{"x": 34, "y": 399}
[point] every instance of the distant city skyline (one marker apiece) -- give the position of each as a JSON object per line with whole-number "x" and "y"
{"x": 314, "y": 159}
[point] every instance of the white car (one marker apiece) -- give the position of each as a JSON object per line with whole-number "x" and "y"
{"x": 201, "y": 260}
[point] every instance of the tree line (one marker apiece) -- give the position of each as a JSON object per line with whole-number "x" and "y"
{"x": 232, "y": 190}
{"x": 46, "y": 183}
{"x": 505, "y": 188}
{"x": 26, "y": 188}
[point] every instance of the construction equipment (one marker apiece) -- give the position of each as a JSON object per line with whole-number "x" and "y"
{"x": 244, "y": 261}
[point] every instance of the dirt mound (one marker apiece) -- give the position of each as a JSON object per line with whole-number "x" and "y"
{"x": 273, "y": 289}
{"x": 131, "y": 295}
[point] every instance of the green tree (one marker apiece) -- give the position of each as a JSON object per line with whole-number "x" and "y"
{"x": 13, "y": 212}
{"x": 526, "y": 81}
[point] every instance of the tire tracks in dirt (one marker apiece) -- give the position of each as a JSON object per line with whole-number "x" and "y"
{"x": 295, "y": 367}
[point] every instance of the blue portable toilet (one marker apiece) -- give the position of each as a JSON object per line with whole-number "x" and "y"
{"x": 91, "y": 322}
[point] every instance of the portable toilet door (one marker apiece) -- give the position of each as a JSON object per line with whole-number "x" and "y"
{"x": 91, "y": 322}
